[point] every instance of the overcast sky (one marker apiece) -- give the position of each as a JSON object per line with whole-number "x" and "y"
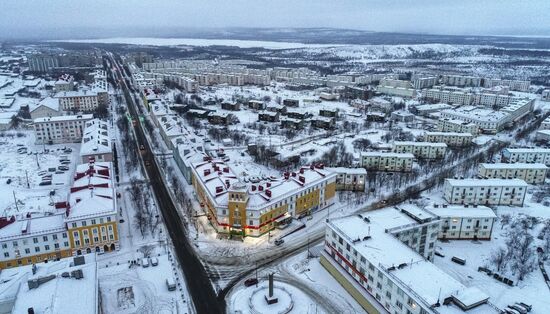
{"x": 483, "y": 17}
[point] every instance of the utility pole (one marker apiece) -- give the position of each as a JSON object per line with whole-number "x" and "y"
{"x": 15, "y": 199}
{"x": 37, "y": 164}
{"x": 27, "y": 176}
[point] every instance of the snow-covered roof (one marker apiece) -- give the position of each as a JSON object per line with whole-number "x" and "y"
{"x": 477, "y": 114}
{"x": 33, "y": 226}
{"x": 96, "y": 138}
{"x": 58, "y": 295}
{"x": 52, "y": 103}
{"x": 448, "y": 134}
{"x": 414, "y": 269}
{"x": 527, "y": 150}
{"x": 387, "y": 154}
{"x": 518, "y": 165}
{"x": 487, "y": 182}
{"x": 461, "y": 211}
{"x": 79, "y": 93}
{"x": 64, "y": 118}
{"x": 410, "y": 143}
{"x": 346, "y": 170}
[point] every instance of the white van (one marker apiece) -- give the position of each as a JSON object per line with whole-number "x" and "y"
{"x": 145, "y": 262}
{"x": 170, "y": 284}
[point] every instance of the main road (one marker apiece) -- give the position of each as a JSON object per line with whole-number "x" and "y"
{"x": 200, "y": 288}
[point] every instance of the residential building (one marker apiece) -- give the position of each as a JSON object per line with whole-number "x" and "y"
{"x": 42, "y": 62}
{"x": 485, "y": 191}
{"x": 291, "y": 102}
{"x": 96, "y": 142}
{"x": 449, "y": 138}
{"x": 528, "y": 155}
{"x": 85, "y": 101}
{"x": 256, "y": 104}
{"x": 397, "y": 91}
{"x": 532, "y": 173}
{"x": 269, "y": 116}
{"x": 252, "y": 209}
{"x": 545, "y": 95}
{"x": 34, "y": 239}
{"x": 389, "y": 281}
{"x": 47, "y": 107}
{"x": 383, "y": 161}
{"x": 395, "y": 83}
{"x": 323, "y": 122}
{"x": 233, "y": 106}
{"x": 290, "y": 123}
{"x": 424, "y": 81}
{"x": 402, "y": 116}
{"x": 456, "y": 125}
{"x": 349, "y": 179}
{"x": 92, "y": 210}
{"x": 488, "y": 121}
{"x": 429, "y": 109}
{"x": 64, "y": 83}
{"x": 461, "y": 80}
{"x": 517, "y": 85}
{"x": 464, "y": 222}
{"x": 60, "y": 129}
{"x": 328, "y": 112}
{"x": 425, "y": 150}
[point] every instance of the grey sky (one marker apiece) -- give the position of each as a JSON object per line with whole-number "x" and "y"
{"x": 491, "y": 17}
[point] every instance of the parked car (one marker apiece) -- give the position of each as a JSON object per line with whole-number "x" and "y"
{"x": 145, "y": 262}
{"x": 43, "y": 183}
{"x": 141, "y": 147}
{"x": 154, "y": 261}
{"x": 63, "y": 168}
{"x": 170, "y": 284}
{"x": 250, "y": 282}
{"x": 67, "y": 150}
{"x": 279, "y": 242}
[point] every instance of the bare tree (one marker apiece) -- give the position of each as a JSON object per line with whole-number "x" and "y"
{"x": 499, "y": 258}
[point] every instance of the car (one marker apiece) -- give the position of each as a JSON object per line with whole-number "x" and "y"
{"x": 145, "y": 262}
{"x": 154, "y": 261}
{"x": 141, "y": 147}
{"x": 63, "y": 168}
{"x": 45, "y": 183}
{"x": 65, "y": 162}
{"x": 171, "y": 284}
{"x": 279, "y": 242}
{"x": 8, "y": 181}
{"x": 67, "y": 150}
{"x": 250, "y": 282}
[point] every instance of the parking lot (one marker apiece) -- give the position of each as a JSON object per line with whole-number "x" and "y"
{"x": 36, "y": 175}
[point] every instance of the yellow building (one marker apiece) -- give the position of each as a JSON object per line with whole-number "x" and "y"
{"x": 252, "y": 209}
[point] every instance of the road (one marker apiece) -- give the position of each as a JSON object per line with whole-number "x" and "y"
{"x": 198, "y": 283}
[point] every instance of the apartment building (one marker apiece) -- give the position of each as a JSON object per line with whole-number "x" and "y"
{"x": 449, "y": 138}
{"x": 485, "y": 191}
{"x": 83, "y": 100}
{"x": 395, "y": 83}
{"x": 393, "y": 281}
{"x": 47, "y": 107}
{"x": 456, "y": 125}
{"x": 461, "y": 80}
{"x": 42, "y": 62}
{"x": 252, "y": 209}
{"x": 543, "y": 136}
{"x": 96, "y": 142}
{"x": 517, "y": 85}
{"x": 384, "y": 161}
{"x": 464, "y": 222}
{"x": 532, "y": 173}
{"x": 425, "y": 150}
{"x": 92, "y": 210}
{"x": 65, "y": 83}
{"x": 34, "y": 239}
{"x": 424, "y": 81}
{"x": 527, "y": 155}
{"x": 349, "y": 179}
{"x": 60, "y": 129}
{"x": 397, "y": 91}
{"x": 488, "y": 121}
{"x": 429, "y": 109}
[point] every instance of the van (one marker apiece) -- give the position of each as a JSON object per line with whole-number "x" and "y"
{"x": 170, "y": 284}
{"x": 279, "y": 242}
{"x": 154, "y": 261}
{"x": 145, "y": 262}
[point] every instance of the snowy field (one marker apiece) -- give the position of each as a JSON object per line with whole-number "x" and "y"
{"x": 150, "y": 41}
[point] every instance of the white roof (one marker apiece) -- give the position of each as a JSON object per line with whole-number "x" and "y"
{"x": 347, "y": 170}
{"x": 59, "y": 295}
{"x": 64, "y": 118}
{"x": 462, "y": 211}
{"x": 518, "y": 165}
{"x": 448, "y": 134}
{"x": 528, "y": 150}
{"x": 79, "y": 93}
{"x": 486, "y": 182}
{"x": 387, "y": 154}
{"x": 96, "y": 139}
{"x": 33, "y": 226}
{"x": 407, "y": 143}
{"x": 52, "y": 103}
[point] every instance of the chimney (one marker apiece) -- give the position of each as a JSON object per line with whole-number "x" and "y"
{"x": 302, "y": 179}
{"x": 253, "y": 188}
{"x": 268, "y": 193}
{"x": 260, "y": 188}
